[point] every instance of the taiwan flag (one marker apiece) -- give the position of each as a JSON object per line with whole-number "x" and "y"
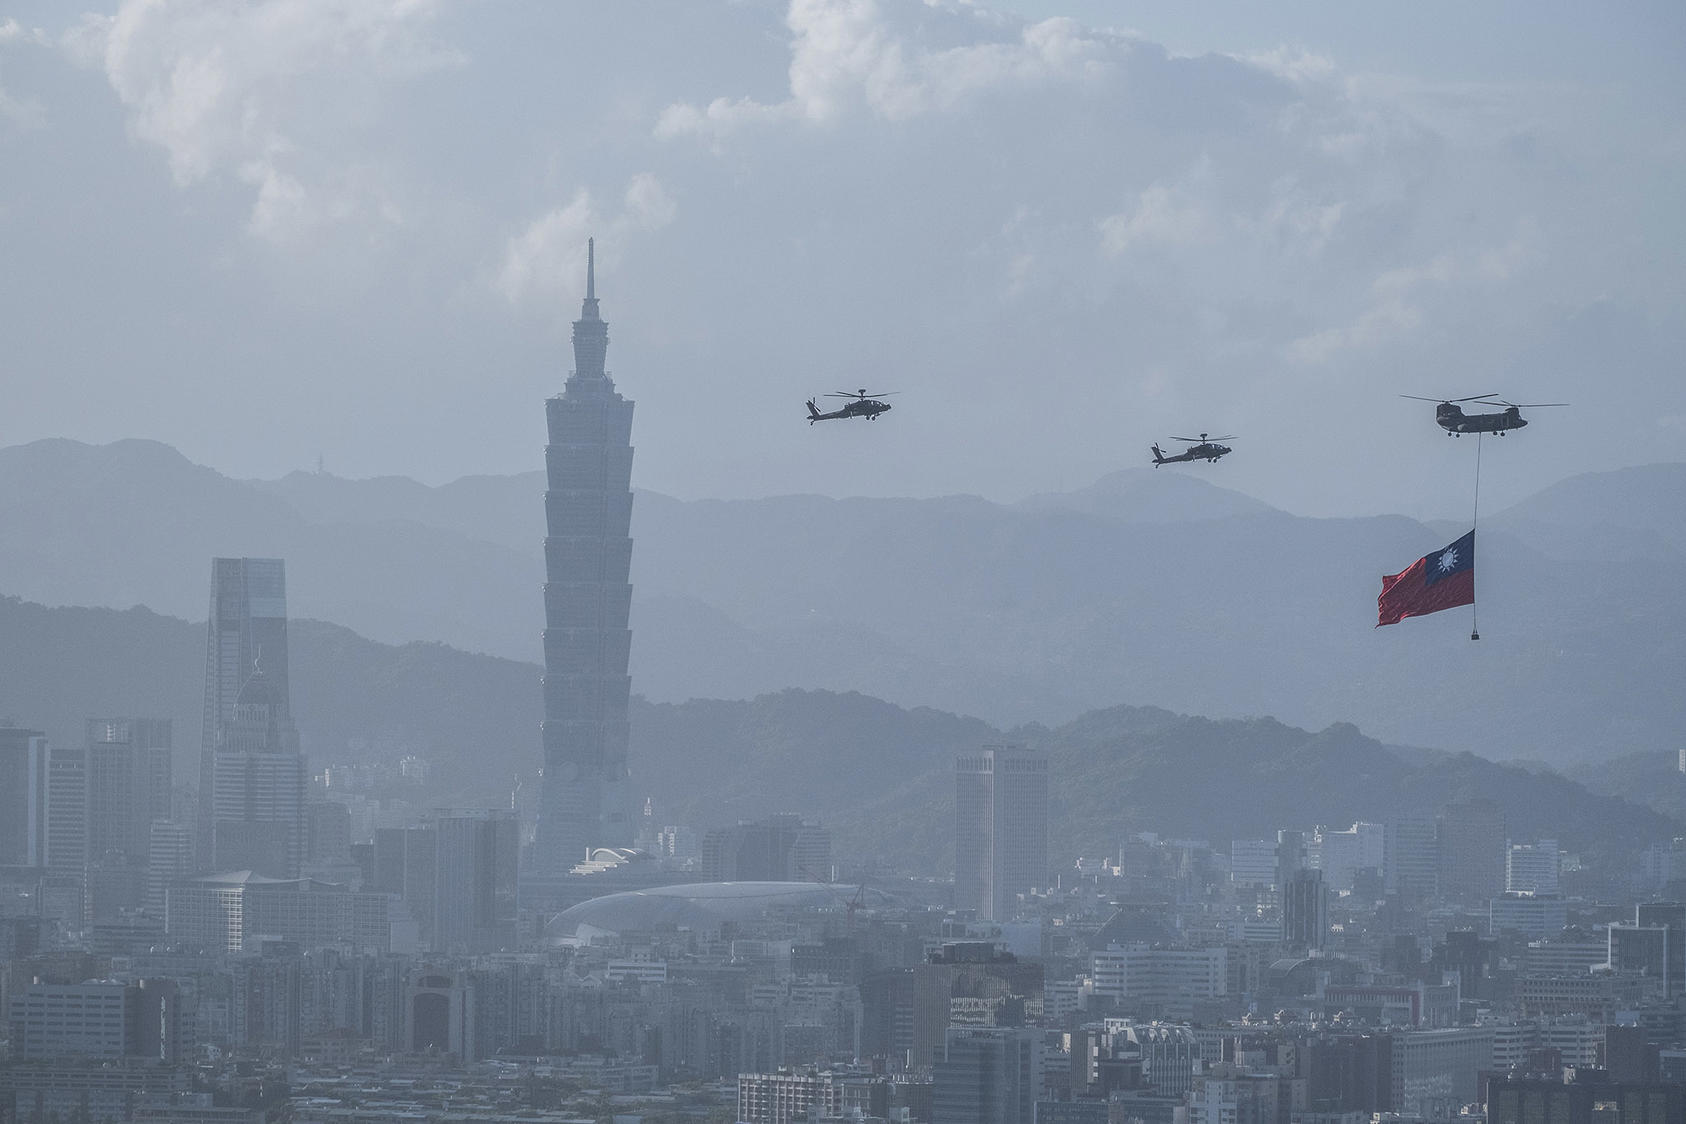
{"x": 1442, "y": 580}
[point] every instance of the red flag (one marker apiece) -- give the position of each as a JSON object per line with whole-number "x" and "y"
{"x": 1442, "y": 580}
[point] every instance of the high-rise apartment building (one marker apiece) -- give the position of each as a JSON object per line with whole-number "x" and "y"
{"x": 1001, "y": 828}
{"x": 23, "y": 797}
{"x": 252, "y": 776}
{"x": 585, "y": 801}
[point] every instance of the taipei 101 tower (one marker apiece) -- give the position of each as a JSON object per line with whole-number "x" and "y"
{"x": 584, "y": 801}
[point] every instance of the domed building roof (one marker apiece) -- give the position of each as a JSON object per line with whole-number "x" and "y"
{"x": 696, "y": 905}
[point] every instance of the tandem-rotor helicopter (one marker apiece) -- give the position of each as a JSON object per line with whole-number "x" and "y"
{"x": 1456, "y": 423}
{"x": 860, "y": 405}
{"x": 1206, "y": 448}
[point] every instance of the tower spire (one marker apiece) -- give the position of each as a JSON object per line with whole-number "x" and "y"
{"x": 591, "y": 334}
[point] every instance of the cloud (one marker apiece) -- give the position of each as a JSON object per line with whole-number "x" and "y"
{"x": 546, "y": 260}
{"x": 1162, "y": 215}
{"x": 850, "y": 54}
{"x": 24, "y": 113}
{"x": 1402, "y": 300}
{"x": 280, "y": 95}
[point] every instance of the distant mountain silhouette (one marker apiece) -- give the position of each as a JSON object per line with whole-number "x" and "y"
{"x": 1148, "y": 586}
{"x": 880, "y": 775}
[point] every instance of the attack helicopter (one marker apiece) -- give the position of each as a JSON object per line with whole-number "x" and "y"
{"x": 860, "y": 405}
{"x": 1451, "y": 417}
{"x": 1205, "y": 449}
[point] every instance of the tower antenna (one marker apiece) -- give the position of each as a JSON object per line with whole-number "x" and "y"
{"x": 590, "y": 268}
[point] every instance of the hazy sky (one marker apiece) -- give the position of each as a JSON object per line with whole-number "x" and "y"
{"x": 355, "y": 229}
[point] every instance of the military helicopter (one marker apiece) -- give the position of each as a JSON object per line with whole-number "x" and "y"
{"x": 1206, "y": 449}
{"x": 860, "y": 405}
{"x": 1456, "y": 423}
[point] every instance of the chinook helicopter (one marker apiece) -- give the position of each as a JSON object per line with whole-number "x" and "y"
{"x": 860, "y": 405}
{"x": 1456, "y": 423}
{"x": 1206, "y": 449}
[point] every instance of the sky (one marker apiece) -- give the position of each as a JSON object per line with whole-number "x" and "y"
{"x": 352, "y": 233}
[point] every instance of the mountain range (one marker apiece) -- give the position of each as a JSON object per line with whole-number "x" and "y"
{"x": 880, "y": 776}
{"x": 1148, "y": 587}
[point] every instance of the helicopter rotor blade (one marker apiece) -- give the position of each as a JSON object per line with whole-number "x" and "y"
{"x": 1199, "y": 440}
{"x": 1472, "y": 398}
{"x": 1529, "y": 405}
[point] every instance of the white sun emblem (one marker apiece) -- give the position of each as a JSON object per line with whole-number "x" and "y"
{"x": 1449, "y": 560}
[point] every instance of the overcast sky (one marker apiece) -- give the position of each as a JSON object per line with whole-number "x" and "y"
{"x": 1062, "y": 229}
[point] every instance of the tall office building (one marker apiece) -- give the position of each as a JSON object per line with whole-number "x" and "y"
{"x": 67, "y": 808}
{"x": 1305, "y": 910}
{"x": 1000, "y": 828}
{"x": 1411, "y": 857}
{"x": 252, "y": 776}
{"x": 1533, "y": 867}
{"x": 23, "y": 797}
{"x": 128, "y": 786}
{"x": 113, "y": 790}
{"x": 474, "y": 894}
{"x": 780, "y": 848}
{"x": 169, "y": 859}
{"x": 585, "y": 801}
{"x": 1472, "y": 851}
{"x": 987, "y": 1076}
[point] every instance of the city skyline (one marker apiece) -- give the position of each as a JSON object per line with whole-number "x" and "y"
{"x": 1097, "y": 799}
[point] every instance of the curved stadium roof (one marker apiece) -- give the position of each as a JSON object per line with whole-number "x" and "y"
{"x": 695, "y": 905}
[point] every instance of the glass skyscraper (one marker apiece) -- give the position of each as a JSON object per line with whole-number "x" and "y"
{"x": 252, "y": 776}
{"x": 584, "y": 800}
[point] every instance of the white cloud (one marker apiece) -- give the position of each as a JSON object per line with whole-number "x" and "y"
{"x": 848, "y": 53}
{"x": 1403, "y": 300}
{"x": 277, "y": 94}
{"x": 24, "y": 112}
{"x": 547, "y": 259}
{"x": 1162, "y": 215}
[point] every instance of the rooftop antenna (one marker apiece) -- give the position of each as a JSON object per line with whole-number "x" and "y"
{"x": 590, "y": 269}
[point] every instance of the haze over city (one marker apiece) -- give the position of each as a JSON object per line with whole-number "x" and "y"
{"x": 842, "y": 562}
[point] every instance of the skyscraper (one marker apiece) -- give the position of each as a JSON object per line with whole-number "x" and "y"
{"x": 252, "y": 777}
{"x": 585, "y": 801}
{"x": 23, "y": 797}
{"x": 128, "y": 786}
{"x": 474, "y": 894}
{"x": 1305, "y": 910}
{"x": 1001, "y": 828}
{"x": 987, "y": 1075}
{"x": 1472, "y": 851}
